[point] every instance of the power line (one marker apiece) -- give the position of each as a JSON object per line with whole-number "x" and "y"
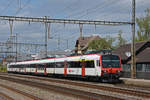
{"x": 20, "y": 8}
{"x": 63, "y": 21}
{"x": 7, "y": 6}
{"x": 90, "y": 9}
{"x": 109, "y": 5}
{"x": 27, "y": 44}
{"x": 81, "y": 12}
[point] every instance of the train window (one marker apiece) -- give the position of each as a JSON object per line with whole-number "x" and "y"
{"x": 78, "y": 64}
{"x": 89, "y": 64}
{"x": 16, "y": 66}
{"x": 23, "y": 66}
{"x": 110, "y": 61}
{"x": 33, "y": 66}
{"x": 41, "y": 65}
{"x": 69, "y": 64}
{"x": 20, "y": 66}
{"x": 11, "y": 66}
{"x": 50, "y": 65}
{"x": 74, "y": 64}
{"x": 27, "y": 66}
{"x": 59, "y": 64}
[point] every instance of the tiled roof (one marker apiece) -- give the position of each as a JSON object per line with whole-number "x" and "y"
{"x": 142, "y": 51}
{"x": 144, "y": 56}
{"x": 85, "y": 40}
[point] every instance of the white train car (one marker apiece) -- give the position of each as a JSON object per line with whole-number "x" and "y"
{"x": 92, "y": 65}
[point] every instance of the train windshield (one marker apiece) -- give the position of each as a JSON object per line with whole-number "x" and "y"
{"x": 112, "y": 61}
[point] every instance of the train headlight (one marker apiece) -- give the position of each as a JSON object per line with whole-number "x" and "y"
{"x": 104, "y": 71}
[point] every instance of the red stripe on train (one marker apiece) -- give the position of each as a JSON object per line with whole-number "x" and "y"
{"x": 65, "y": 68}
{"x": 83, "y": 68}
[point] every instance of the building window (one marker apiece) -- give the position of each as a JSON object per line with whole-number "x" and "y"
{"x": 147, "y": 68}
{"x": 139, "y": 68}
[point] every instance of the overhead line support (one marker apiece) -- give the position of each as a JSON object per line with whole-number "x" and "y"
{"x": 133, "y": 56}
{"x": 66, "y": 21}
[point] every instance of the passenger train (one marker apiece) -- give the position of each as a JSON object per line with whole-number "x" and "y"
{"x": 106, "y": 67}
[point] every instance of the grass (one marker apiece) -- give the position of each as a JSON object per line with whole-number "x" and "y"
{"x": 3, "y": 68}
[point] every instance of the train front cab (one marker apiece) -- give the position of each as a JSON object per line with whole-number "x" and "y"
{"x": 110, "y": 68}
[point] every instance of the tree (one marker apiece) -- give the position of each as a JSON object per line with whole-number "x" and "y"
{"x": 143, "y": 33}
{"x": 121, "y": 40}
{"x": 99, "y": 44}
{"x": 110, "y": 40}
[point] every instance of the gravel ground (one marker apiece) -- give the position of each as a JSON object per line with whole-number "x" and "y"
{"x": 11, "y": 94}
{"x": 59, "y": 97}
{"x": 46, "y": 95}
{"x": 2, "y": 98}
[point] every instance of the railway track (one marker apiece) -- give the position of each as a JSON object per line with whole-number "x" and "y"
{"x": 132, "y": 92}
{"x": 24, "y": 94}
{"x": 119, "y": 90}
{"x": 63, "y": 90}
{"x": 5, "y": 97}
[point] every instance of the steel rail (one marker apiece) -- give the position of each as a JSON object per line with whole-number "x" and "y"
{"x": 63, "y": 90}
{"x": 20, "y": 92}
{"x": 5, "y": 96}
{"x": 105, "y": 88}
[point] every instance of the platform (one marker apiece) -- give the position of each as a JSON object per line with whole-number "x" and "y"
{"x": 138, "y": 82}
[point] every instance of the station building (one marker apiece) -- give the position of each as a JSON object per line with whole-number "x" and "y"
{"x": 142, "y": 59}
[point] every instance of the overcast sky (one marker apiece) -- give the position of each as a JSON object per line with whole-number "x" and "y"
{"x": 108, "y": 10}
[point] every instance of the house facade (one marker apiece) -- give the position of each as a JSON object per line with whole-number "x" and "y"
{"x": 142, "y": 59}
{"x": 83, "y": 42}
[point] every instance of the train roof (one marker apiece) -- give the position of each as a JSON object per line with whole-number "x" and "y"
{"x": 67, "y": 58}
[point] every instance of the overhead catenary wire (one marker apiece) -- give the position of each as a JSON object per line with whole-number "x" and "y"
{"x": 81, "y": 12}
{"x": 6, "y": 7}
{"x": 107, "y": 7}
{"x": 112, "y": 8}
{"x": 90, "y": 9}
{"x": 100, "y": 11}
{"x": 22, "y": 7}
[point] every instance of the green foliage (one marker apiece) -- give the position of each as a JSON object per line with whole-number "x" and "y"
{"x": 143, "y": 33}
{"x": 3, "y": 68}
{"x": 107, "y": 42}
{"x": 110, "y": 41}
{"x": 121, "y": 40}
{"x": 99, "y": 44}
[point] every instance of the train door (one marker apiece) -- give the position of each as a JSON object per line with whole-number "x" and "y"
{"x": 45, "y": 69}
{"x": 35, "y": 68}
{"x": 65, "y": 67}
{"x": 83, "y": 68}
{"x": 24, "y": 68}
{"x": 97, "y": 68}
{"x": 54, "y": 71}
